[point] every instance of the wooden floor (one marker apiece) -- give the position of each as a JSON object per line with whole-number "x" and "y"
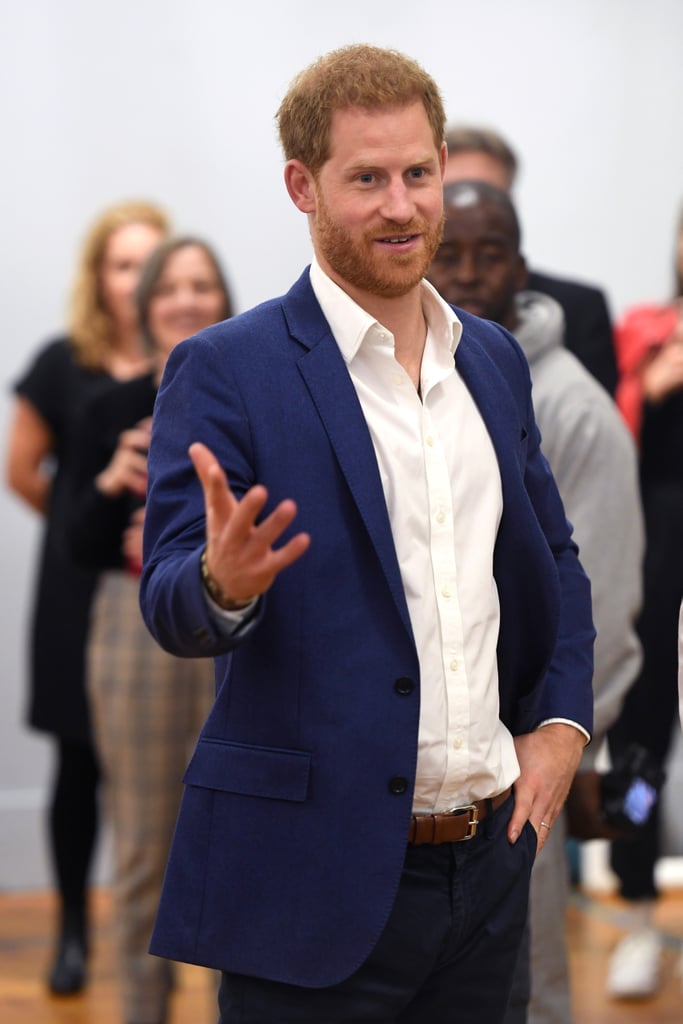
{"x": 594, "y": 925}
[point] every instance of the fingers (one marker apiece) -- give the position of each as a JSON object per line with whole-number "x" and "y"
{"x": 219, "y": 500}
{"x": 541, "y": 823}
{"x": 240, "y": 553}
{"x": 548, "y": 759}
{"x": 520, "y": 815}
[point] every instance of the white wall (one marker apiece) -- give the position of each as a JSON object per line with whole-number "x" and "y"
{"x": 175, "y": 101}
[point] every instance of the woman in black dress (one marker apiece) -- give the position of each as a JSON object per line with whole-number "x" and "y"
{"x": 102, "y": 346}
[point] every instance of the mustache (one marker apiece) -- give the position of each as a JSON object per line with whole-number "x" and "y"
{"x": 417, "y": 226}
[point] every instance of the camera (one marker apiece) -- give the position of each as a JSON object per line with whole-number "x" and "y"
{"x": 630, "y": 790}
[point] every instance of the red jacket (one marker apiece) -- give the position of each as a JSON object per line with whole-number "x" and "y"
{"x": 641, "y": 330}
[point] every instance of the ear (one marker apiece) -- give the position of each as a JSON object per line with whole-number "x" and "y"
{"x": 443, "y": 157}
{"x": 522, "y": 274}
{"x": 301, "y": 186}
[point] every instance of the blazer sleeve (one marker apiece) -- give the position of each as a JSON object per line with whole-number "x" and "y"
{"x": 567, "y": 690}
{"x": 171, "y": 592}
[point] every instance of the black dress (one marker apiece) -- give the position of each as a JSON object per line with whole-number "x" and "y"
{"x": 58, "y": 388}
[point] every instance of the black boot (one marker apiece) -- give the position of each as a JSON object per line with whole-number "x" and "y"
{"x": 67, "y": 976}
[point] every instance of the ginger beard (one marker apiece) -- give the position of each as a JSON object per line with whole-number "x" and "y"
{"x": 362, "y": 264}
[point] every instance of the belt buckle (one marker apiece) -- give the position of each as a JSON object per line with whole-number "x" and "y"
{"x": 472, "y": 823}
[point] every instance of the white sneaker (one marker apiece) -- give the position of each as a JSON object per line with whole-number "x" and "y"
{"x": 634, "y": 968}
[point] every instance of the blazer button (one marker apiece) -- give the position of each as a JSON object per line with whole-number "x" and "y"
{"x": 404, "y": 686}
{"x": 398, "y": 785}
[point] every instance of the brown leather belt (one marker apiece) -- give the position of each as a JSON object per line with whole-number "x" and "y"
{"x": 453, "y": 826}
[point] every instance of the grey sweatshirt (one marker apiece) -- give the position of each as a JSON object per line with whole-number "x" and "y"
{"x": 595, "y": 464}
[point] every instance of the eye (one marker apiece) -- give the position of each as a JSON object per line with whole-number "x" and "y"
{"x": 366, "y": 178}
{"x": 417, "y": 172}
{"x": 163, "y": 290}
{"x": 489, "y": 257}
{"x": 447, "y": 255}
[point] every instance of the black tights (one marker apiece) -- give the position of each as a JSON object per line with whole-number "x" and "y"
{"x": 73, "y": 821}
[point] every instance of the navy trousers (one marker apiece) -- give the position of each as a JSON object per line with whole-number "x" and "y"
{"x": 446, "y": 956}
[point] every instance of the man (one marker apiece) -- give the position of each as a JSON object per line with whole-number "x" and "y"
{"x": 479, "y": 267}
{"x": 482, "y": 154}
{"x": 385, "y": 675}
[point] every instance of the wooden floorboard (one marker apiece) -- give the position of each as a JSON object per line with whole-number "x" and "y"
{"x": 593, "y": 926}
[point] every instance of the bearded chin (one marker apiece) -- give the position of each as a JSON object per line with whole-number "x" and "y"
{"x": 386, "y": 275}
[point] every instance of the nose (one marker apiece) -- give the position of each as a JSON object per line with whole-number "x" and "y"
{"x": 185, "y": 299}
{"x": 397, "y": 203}
{"x": 465, "y": 269}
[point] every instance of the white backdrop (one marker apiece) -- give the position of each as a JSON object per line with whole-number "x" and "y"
{"x": 175, "y": 102}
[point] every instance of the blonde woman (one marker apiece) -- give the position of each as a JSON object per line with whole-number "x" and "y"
{"x": 102, "y": 346}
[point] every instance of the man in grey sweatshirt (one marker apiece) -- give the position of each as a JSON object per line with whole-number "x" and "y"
{"x": 479, "y": 267}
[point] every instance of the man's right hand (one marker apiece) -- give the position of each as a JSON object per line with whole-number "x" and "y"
{"x": 239, "y": 551}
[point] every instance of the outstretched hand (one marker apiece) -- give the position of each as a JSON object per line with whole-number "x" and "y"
{"x": 548, "y": 759}
{"x": 239, "y": 551}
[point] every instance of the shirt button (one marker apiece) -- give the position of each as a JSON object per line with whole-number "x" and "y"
{"x": 430, "y": 441}
{"x": 445, "y": 592}
{"x": 404, "y": 686}
{"x": 457, "y": 743}
{"x": 454, "y": 665}
{"x": 398, "y": 379}
{"x": 398, "y": 785}
{"x": 440, "y": 516}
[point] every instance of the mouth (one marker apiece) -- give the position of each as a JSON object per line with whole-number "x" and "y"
{"x": 473, "y": 306}
{"x": 400, "y": 243}
{"x": 187, "y": 321}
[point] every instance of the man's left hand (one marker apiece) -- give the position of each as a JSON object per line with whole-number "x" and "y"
{"x": 548, "y": 759}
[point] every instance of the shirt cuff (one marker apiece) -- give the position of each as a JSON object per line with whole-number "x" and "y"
{"x": 230, "y": 623}
{"x": 565, "y": 721}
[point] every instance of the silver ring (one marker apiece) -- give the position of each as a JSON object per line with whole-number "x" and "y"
{"x": 544, "y": 824}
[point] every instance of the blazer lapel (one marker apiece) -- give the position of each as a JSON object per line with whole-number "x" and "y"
{"x": 331, "y": 388}
{"x": 498, "y": 409}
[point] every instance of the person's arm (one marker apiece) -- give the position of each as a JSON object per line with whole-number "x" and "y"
{"x": 106, "y": 481}
{"x": 595, "y": 464}
{"x": 549, "y": 756}
{"x": 192, "y": 509}
{"x": 30, "y": 442}
{"x": 662, "y": 374}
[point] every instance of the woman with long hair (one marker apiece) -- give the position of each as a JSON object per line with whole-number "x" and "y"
{"x": 147, "y": 705}
{"x": 102, "y": 346}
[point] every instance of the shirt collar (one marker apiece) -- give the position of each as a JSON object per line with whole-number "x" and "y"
{"x": 350, "y": 324}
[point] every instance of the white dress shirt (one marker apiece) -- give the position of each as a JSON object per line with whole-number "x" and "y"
{"x": 443, "y": 493}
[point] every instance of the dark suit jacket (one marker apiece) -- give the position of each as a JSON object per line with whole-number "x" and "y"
{"x": 292, "y": 831}
{"x": 588, "y": 330}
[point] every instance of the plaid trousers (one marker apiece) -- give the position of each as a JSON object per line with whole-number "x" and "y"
{"x": 147, "y": 708}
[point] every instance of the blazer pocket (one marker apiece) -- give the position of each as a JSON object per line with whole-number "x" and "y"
{"x": 250, "y": 771}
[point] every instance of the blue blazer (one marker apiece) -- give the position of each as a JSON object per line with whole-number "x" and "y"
{"x": 292, "y": 831}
